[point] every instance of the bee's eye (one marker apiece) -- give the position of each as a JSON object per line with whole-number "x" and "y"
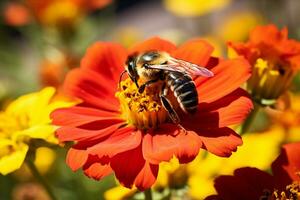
{"x": 130, "y": 67}
{"x": 146, "y": 65}
{"x": 150, "y": 56}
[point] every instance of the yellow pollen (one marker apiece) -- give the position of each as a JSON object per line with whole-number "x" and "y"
{"x": 143, "y": 110}
{"x": 269, "y": 80}
{"x": 291, "y": 192}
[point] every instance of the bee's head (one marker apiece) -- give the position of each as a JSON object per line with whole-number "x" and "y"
{"x": 131, "y": 69}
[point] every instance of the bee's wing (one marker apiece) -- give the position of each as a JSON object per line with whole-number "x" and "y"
{"x": 183, "y": 67}
{"x": 192, "y": 69}
{"x": 168, "y": 67}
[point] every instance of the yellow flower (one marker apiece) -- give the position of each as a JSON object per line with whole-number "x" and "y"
{"x": 119, "y": 193}
{"x": 61, "y": 13}
{"x": 216, "y": 43}
{"x": 191, "y": 8}
{"x": 25, "y": 119}
{"x": 287, "y": 116}
{"x": 237, "y": 26}
{"x": 287, "y": 113}
{"x": 44, "y": 158}
{"x": 171, "y": 174}
{"x": 258, "y": 150}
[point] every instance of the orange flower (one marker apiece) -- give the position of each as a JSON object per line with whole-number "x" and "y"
{"x": 54, "y": 68}
{"x": 251, "y": 183}
{"x": 50, "y": 12}
{"x": 16, "y": 14}
{"x": 275, "y": 60}
{"x": 111, "y": 126}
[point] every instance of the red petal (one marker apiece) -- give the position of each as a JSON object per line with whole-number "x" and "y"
{"x": 147, "y": 176}
{"x": 97, "y": 171}
{"x": 168, "y": 141}
{"x": 286, "y": 168}
{"x": 93, "y": 88}
{"x": 77, "y": 116}
{"x": 121, "y": 140}
{"x": 154, "y": 43}
{"x": 97, "y": 168}
{"x": 268, "y": 34}
{"x": 130, "y": 167}
{"x": 247, "y": 184}
{"x": 196, "y": 51}
{"x": 228, "y": 76}
{"x": 76, "y": 158}
{"x": 221, "y": 142}
{"x": 107, "y": 59}
{"x": 66, "y": 133}
{"x": 229, "y": 110}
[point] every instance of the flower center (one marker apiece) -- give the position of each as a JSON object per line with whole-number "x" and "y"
{"x": 268, "y": 81}
{"x": 143, "y": 110}
{"x": 291, "y": 192}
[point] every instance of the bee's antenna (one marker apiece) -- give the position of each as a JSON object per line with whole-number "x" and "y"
{"x": 121, "y": 75}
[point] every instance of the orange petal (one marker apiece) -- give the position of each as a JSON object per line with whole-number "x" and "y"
{"x": 168, "y": 141}
{"x": 123, "y": 139}
{"x": 196, "y": 51}
{"x": 76, "y": 158}
{"x": 268, "y": 34}
{"x": 221, "y": 142}
{"x": 16, "y": 14}
{"x": 94, "y": 89}
{"x": 229, "y": 110}
{"x": 147, "y": 176}
{"x": 107, "y": 59}
{"x": 97, "y": 168}
{"x": 154, "y": 43}
{"x": 228, "y": 76}
{"x": 67, "y": 133}
{"x": 78, "y": 115}
{"x": 97, "y": 171}
{"x": 286, "y": 168}
{"x": 130, "y": 167}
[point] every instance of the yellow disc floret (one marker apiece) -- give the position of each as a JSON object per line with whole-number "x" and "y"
{"x": 142, "y": 110}
{"x": 291, "y": 192}
{"x": 269, "y": 81}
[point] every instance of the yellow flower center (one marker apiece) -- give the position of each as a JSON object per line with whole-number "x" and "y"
{"x": 268, "y": 81}
{"x": 291, "y": 192}
{"x": 143, "y": 110}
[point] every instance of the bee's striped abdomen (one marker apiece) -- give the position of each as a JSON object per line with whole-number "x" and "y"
{"x": 184, "y": 90}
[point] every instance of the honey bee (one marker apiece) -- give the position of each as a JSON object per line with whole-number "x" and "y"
{"x": 176, "y": 75}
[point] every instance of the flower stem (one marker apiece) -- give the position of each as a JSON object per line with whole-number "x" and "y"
{"x": 40, "y": 178}
{"x": 248, "y": 122}
{"x": 148, "y": 194}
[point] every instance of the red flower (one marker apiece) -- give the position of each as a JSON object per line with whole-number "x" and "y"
{"x": 251, "y": 183}
{"x": 106, "y": 138}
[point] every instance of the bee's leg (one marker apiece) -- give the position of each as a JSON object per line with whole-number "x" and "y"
{"x": 143, "y": 87}
{"x": 167, "y": 105}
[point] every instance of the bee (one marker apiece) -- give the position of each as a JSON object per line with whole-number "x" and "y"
{"x": 176, "y": 75}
